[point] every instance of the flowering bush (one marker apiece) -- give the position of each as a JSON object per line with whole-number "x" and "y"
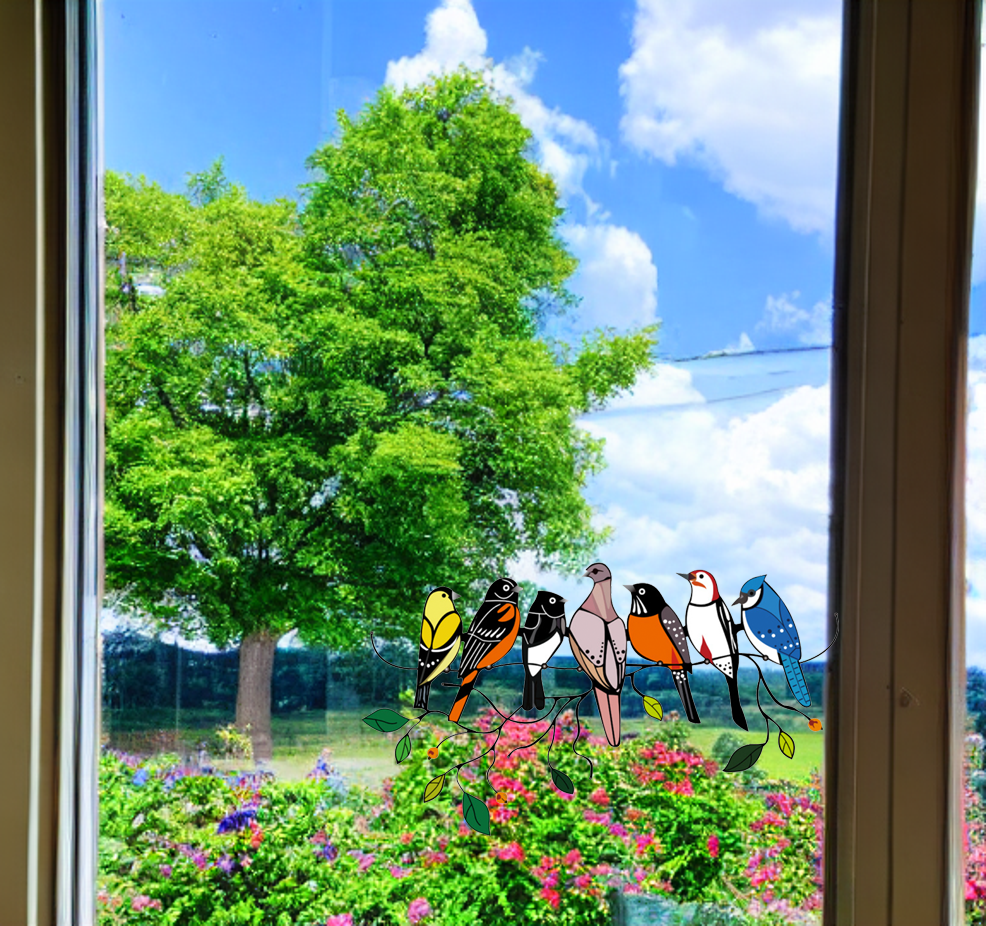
{"x": 180, "y": 846}
{"x": 974, "y": 831}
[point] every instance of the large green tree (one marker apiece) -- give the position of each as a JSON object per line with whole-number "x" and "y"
{"x": 314, "y": 416}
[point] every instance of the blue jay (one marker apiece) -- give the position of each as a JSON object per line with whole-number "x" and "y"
{"x": 770, "y": 627}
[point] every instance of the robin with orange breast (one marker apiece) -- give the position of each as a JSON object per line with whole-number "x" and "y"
{"x": 657, "y": 634}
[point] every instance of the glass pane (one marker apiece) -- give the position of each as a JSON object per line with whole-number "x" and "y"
{"x": 974, "y": 770}
{"x": 407, "y": 299}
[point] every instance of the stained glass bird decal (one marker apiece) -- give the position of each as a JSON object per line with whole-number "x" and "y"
{"x": 542, "y": 633}
{"x": 711, "y": 629}
{"x": 656, "y": 633}
{"x": 599, "y": 643}
{"x": 441, "y": 631}
{"x": 769, "y": 625}
{"x": 492, "y": 633}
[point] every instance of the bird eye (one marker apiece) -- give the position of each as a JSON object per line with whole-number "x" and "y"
{"x": 551, "y": 600}
{"x": 444, "y": 595}
{"x": 701, "y": 575}
{"x": 640, "y": 591}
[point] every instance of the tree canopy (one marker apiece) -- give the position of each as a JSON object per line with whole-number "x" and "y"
{"x": 316, "y": 413}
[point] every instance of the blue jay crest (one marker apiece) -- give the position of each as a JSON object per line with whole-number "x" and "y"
{"x": 600, "y": 640}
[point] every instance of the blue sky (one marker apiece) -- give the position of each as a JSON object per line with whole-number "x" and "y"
{"x": 259, "y": 83}
{"x": 695, "y": 147}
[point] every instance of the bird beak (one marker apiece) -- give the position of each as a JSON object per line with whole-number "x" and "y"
{"x": 455, "y": 596}
{"x": 741, "y": 600}
{"x": 687, "y": 576}
{"x": 563, "y": 600}
{"x": 629, "y": 588}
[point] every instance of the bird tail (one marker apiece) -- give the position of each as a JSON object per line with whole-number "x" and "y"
{"x": 739, "y": 718}
{"x": 468, "y": 683}
{"x": 796, "y": 678}
{"x": 609, "y": 714}
{"x": 685, "y": 693}
{"x": 538, "y": 692}
{"x": 528, "y": 702}
{"x": 421, "y": 695}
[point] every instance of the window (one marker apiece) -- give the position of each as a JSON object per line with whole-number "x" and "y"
{"x": 858, "y": 890}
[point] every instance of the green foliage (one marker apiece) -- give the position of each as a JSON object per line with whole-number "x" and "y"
{"x": 230, "y": 743}
{"x": 653, "y": 818}
{"x": 321, "y": 413}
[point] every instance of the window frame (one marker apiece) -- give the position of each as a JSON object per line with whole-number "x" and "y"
{"x": 895, "y": 693}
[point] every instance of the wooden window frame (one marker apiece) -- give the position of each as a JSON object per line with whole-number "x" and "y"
{"x": 896, "y": 679}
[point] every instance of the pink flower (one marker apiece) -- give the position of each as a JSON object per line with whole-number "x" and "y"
{"x": 398, "y": 872}
{"x": 512, "y": 852}
{"x": 418, "y": 909}
{"x": 583, "y": 881}
{"x": 572, "y": 859}
{"x": 406, "y": 838}
{"x": 618, "y": 829}
{"x": 713, "y": 845}
{"x": 143, "y": 902}
{"x": 340, "y": 919}
{"x": 591, "y": 816}
{"x": 552, "y": 896}
{"x": 430, "y": 858}
{"x": 643, "y": 841}
{"x": 600, "y": 797}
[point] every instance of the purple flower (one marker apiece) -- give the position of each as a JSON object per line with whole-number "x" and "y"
{"x": 140, "y": 777}
{"x": 329, "y": 852}
{"x": 417, "y": 910}
{"x": 227, "y": 864}
{"x": 237, "y": 820}
{"x": 398, "y": 872}
{"x": 165, "y": 871}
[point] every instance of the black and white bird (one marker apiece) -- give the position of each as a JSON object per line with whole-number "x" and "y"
{"x": 711, "y": 629}
{"x": 541, "y": 635}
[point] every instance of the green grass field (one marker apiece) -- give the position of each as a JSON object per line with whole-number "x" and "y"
{"x": 365, "y": 757}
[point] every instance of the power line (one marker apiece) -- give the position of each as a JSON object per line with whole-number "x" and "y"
{"x": 730, "y": 355}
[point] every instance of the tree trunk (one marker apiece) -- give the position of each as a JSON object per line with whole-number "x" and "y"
{"x": 254, "y": 690}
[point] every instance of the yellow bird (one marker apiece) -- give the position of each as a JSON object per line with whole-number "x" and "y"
{"x": 441, "y": 631}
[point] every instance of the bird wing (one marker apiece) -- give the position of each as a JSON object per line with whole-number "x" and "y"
{"x": 492, "y": 625}
{"x": 728, "y": 627}
{"x": 790, "y": 630}
{"x": 674, "y": 630}
{"x": 438, "y": 645}
{"x": 531, "y": 624}
{"x": 594, "y": 672}
{"x": 588, "y": 632}
{"x": 616, "y": 663}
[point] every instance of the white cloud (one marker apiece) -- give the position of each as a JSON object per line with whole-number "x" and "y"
{"x": 812, "y": 326}
{"x": 566, "y": 146}
{"x": 617, "y": 278}
{"x": 739, "y": 495}
{"x": 453, "y": 36}
{"x": 743, "y": 346}
{"x": 975, "y": 504}
{"x": 751, "y": 91}
{"x": 664, "y": 385}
